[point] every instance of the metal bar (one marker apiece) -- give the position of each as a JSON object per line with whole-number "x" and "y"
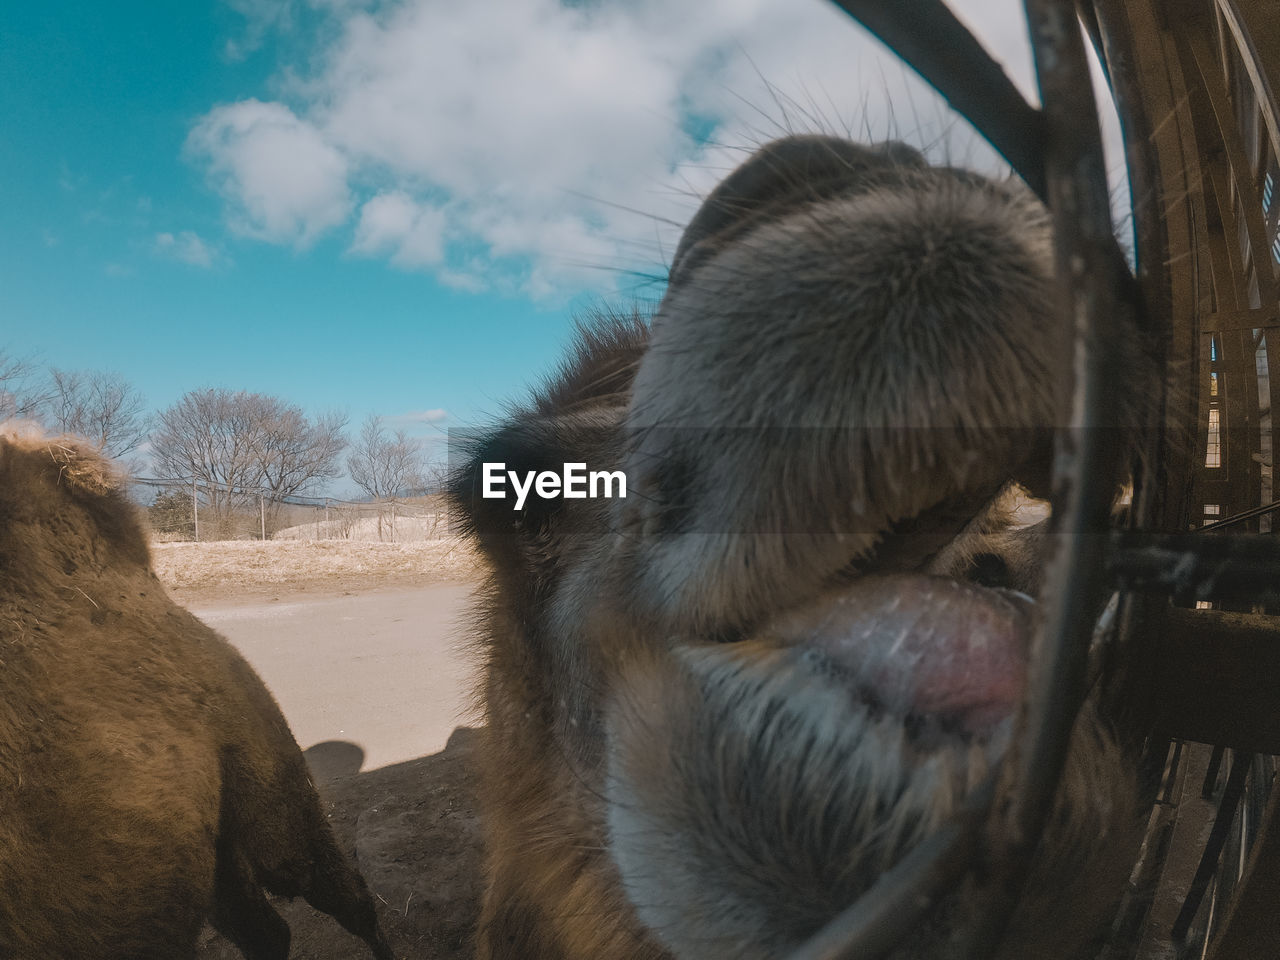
{"x": 878, "y": 921}
{"x": 927, "y": 36}
{"x": 1131, "y": 921}
{"x": 1226, "y": 260}
{"x": 1227, "y": 807}
{"x": 1158, "y": 159}
{"x": 1251, "y": 927}
{"x": 1093, "y": 27}
{"x": 1214, "y": 88}
{"x": 1238, "y": 395}
{"x": 1272, "y": 343}
{"x": 1131, "y": 39}
{"x": 1190, "y": 819}
{"x": 1175, "y": 766}
{"x": 1210, "y": 785}
{"x": 1254, "y": 28}
{"x": 1093, "y": 283}
{"x": 1198, "y": 566}
{"x": 1266, "y": 508}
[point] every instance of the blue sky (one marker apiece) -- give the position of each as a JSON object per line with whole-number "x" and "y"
{"x": 393, "y": 206}
{"x": 98, "y": 101}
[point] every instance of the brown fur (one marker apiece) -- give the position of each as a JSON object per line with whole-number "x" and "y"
{"x": 148, "y": 781}
{"x": 853, "y": 360}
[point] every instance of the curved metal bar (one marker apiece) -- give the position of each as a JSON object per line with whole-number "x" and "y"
{"x": 878, "y": 921}
{"x": 1232, "y": 794}
{"x": 1059, "y": 154}
{"x": 1199, "y": 565}
{"x": 929, "y": 38}
{"x": 1095, "y": 292}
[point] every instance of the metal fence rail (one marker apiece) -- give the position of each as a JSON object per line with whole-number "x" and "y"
{"x": 195, "y": 510}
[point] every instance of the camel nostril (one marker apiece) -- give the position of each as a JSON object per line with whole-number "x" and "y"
{"x": 989, "y": 570}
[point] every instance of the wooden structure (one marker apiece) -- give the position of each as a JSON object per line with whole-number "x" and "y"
{"x": 1198, "y": 83}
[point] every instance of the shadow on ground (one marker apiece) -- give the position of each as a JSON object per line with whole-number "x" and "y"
{"x": 415, "y": 833}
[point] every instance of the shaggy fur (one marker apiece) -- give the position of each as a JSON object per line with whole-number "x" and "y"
{"x": 148, "y": 781}
{"x": 853, "y": 363}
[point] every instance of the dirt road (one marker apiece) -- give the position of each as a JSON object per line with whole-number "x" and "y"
{"x": 383, "y": 670}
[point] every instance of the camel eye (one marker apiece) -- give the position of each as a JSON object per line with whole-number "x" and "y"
{"x": 661, "y": 503}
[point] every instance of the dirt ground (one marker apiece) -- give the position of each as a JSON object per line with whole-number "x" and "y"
{"x": 412, "y": 829}
{"x": 203, "y": 573}
{"x": 374, "y": 682}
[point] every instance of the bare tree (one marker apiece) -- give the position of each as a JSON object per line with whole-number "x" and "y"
{"x": 207, "y": 437}
{"x": 236, "y": 444}
{"x": 293, "y": 452}
{"x": 17, "y": 396}
{"x": 104, "y": 408}
{"x": 386, "y": 466}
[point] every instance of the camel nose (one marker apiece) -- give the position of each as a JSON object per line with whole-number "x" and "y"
{"x": 796, "y": 169}
{"x": 829, "y": 369}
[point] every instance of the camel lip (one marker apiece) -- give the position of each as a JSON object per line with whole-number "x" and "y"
{"x": 938, "y": 651}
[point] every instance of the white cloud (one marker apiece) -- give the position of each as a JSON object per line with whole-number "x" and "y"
{"x": 187, "y": 246}
{"x": 260, "y": 18}
{"x": 284, "y": 180}
{"x": 394, "y": 223}
{"x": 426, "y": 425}
{"x": 424, "y": 416}
{"x": 512, "y": 142}
{"x": 468, "y": 280}
{"x": 68, "y": 181}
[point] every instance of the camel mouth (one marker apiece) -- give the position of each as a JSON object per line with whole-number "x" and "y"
{"x": 945, "y": 656}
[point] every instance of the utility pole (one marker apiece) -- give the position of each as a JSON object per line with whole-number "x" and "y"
{"x": 195, "y": 508}
{"x": 262, "y": 513}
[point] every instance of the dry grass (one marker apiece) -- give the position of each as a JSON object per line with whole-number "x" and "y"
{"x": 234, "y": 567}
{"x": 404, "y": 529}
